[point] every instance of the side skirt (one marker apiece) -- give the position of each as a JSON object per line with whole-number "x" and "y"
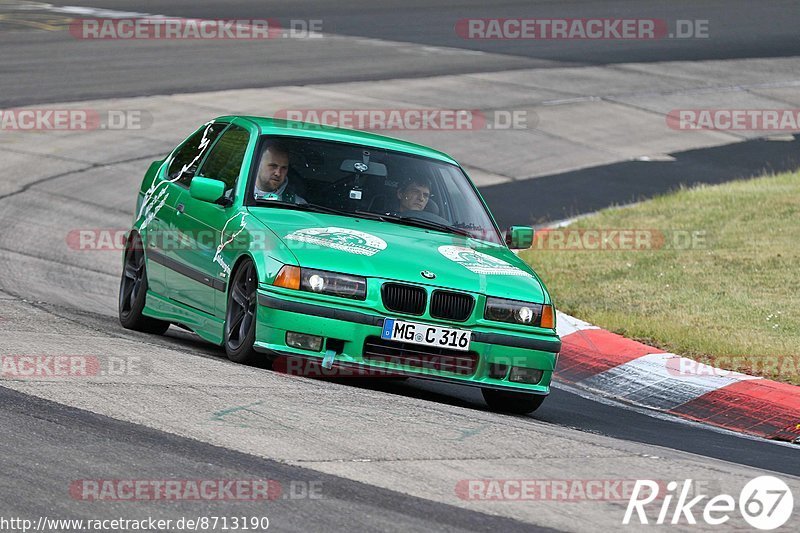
{"x": 206, "y": 326}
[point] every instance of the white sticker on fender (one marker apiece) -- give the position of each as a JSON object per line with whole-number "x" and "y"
{"x": 226, "y": 268}
{"x": 346, "y": 240}
{"x": 153, "y": 201}
{"x": 479, "y": 262}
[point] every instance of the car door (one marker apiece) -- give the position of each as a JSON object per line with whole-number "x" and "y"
{"x": 180, "y": 169}
{"x": 157, "y": 210}
{"x": 201, "y": 274}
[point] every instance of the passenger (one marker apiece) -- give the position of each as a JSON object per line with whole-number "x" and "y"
{"x": 414, "y": 194}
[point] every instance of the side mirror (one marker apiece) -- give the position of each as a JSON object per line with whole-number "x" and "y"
{"x": 206, "y": 189}
{"x": 519, "y": 237}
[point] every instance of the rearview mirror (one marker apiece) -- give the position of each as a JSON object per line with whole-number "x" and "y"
{"x": 206, "y": 189}
{"x": 368, "y": 169}
{"x": 519, "y": 237}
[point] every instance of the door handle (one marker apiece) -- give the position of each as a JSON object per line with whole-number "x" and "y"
{"x": 180, "y": 208}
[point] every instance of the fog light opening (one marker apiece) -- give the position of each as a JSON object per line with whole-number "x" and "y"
{"x": 497, "y": 371}
{"x": 337, "y": 345}
{"x": 303, "y": 341}
{"x": 530, "y": 376}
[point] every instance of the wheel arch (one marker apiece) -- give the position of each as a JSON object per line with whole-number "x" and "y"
{"x": 241, "y": 260}
{"x": 129, "y": 238}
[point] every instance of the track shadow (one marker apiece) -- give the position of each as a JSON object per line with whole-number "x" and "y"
{"x": 559, "y": 196}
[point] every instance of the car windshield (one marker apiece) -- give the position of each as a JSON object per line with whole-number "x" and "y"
{"x": 367, "y": 182}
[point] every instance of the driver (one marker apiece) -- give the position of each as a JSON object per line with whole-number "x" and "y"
{"x": 414, "y": 194}
{"x": 272, "y": 182}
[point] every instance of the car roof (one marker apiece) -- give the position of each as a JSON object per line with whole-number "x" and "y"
{"x": 277, "y": 126}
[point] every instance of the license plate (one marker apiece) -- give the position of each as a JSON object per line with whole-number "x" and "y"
{"x": 427, "y": 335}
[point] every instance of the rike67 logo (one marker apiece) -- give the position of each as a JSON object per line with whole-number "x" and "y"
{"x": 766, "y": 503}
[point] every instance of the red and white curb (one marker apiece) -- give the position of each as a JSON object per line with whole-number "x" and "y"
{"x": 612, "y": 366}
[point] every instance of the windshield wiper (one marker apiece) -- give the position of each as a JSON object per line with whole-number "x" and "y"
{"x": 303, "y": 207}
{"x": 408, "y": 221}
{"x": 324, "y": 209}
{"x": 279, "y": 203}
{"x": 370, "y": 215}
{"x": 411, "y": 221}
{"x": 416, "y": 222}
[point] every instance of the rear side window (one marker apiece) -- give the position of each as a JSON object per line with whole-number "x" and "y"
{"x": 189, "y": 156}
{"x": 224, "y": 163}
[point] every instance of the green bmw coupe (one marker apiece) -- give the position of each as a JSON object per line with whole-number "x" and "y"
{"x": 358, "y": 253}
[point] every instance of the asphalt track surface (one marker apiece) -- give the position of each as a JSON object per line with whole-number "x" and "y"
{"x": 50, "y": 443}
{"x": 59, "y": 440}
{"x": 569, "y": 194}
{"x": 52, "y": 66}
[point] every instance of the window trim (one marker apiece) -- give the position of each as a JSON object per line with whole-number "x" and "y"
{"x": 214, "y": 145}
{"x": 202, "y": 161}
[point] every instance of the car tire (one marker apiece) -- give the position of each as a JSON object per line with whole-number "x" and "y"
{"x": 241, "y": 314}
{"x": 133, "y": 292}
{"x": 512, "y": 402}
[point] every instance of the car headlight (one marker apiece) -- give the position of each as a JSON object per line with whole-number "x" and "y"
{"x": 322, "y": 282}
{"x": 518, "y": 312}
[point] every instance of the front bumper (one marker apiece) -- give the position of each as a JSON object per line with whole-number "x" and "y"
{"x": 345, "y": 331}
